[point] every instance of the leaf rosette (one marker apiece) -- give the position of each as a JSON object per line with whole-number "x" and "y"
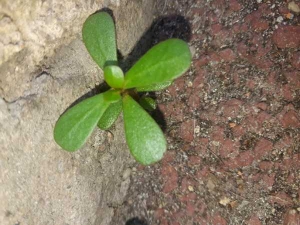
{"x": 154, "y": 71}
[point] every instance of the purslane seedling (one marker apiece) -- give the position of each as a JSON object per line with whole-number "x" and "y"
{"x": 154, "y": 71}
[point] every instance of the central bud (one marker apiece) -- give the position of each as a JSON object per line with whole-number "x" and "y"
{"x": 114, "y": 76}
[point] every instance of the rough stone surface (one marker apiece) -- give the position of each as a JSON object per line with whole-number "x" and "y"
{"x": 45, "y": 67}
{"x": 31, "y": 31}
{"x": 287, "y": 37}
{"x": 232, "y": 121}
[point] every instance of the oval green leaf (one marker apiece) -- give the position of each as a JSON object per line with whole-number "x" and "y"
{"x": 148, "y": 103}
{"x": 99, "y": 37}
{"x": 76, "y": 124}
{"x": 155, "y": 87}
{"x": 114, "y": 76}
{"x": 164, "y": 62}
{"x": 110, "y": 115}
{"x": 144, "y": 137}
{"x": 112, "y": 96}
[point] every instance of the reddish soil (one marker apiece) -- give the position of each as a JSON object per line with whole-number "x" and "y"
{"x": 232, "y": 122}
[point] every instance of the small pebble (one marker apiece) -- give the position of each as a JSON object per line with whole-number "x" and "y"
{"x": 259, "y": 1}
{"x": 290, "y": 16}
{"x": 224, "y": 201}
{"x": 197, "y": 130}
{"x": 191, "y": 188}
{"x": 294, "y": 7}
{"x": 216, "y": 143}
{"x": 210, "y": 185}
{"x": 279, "y": 19}
{"x": 273, "y": 210}
{"x": 110, "y": 136}
{"x": 231, "y": 125}
{"x": 193, "y": 50}
{"x": 126, "y": 173}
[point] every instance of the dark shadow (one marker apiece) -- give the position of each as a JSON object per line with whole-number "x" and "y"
{"x": 159, "y": 117}
{"x": 163, "y": 28}
{"x": 156, "y": 114}
{"x": 136, "y": 221}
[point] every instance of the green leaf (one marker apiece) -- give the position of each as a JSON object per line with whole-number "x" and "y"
{"x": 76, "y": 124}
{"x": 164, "y": 62}
{"x": 114, "y": 76}
{"x": 154, "y": 87}
{"x": 112, "y": 96}
{"x": 110, "y": 115}
{"x": 144, "y": 137}
{"x": 148, "y": 103}
{"x": 99, "y": 37}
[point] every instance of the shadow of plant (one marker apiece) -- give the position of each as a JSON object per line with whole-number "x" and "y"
{"x": 136, "y": 221}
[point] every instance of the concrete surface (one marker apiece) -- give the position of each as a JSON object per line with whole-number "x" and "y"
{"x": 44, "y": 67}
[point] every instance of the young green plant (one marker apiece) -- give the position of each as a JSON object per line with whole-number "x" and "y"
{"x": 154, "y": 71}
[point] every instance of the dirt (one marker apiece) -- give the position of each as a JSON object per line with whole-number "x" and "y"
{"x": 232, "y": 121}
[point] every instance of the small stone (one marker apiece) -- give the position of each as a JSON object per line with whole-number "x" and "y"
{"x": 294, "y": 7}
{"x": 197, "y": 130}
{"x": 126, "y": 173}
{"x": 273, "y": 210}
{"x": 231, "y": 125}
{"x": 259, "y": 1}
{"x": 210, "y": 185}
{"x": 191, "y": 189}
{"x": 289, "y": 16}
{"x": 110, "y": 137}
{"x": 291, "y": 217}
{"x": 224, "y": 201}
{"x": 233, "y": 204}
{"x": 193, "y": 50}
{"x": 279, "y": 19}
{"x": 216, "y": 143}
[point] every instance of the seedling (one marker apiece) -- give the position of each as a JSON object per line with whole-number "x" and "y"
{"x": 154, "y": 71}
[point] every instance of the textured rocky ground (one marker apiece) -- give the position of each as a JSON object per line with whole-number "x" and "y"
{"x": 44, "y": 67}
{"x": 232, "y": 121}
